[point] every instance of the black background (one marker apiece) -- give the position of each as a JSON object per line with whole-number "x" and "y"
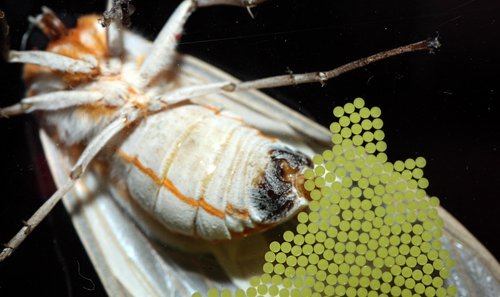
{"x": 443, "y": 107}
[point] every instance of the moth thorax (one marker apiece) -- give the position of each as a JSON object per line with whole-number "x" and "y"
{"x": 278, "y": 193}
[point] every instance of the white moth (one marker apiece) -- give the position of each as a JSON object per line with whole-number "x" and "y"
{"x": 129, "y": 135}
{"x": 197, "y": 169}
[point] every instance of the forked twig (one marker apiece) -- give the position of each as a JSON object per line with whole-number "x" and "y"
{"x": 293, "y": 79}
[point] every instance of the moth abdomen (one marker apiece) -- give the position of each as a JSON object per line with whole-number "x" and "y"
{"x": 197, "y": 172}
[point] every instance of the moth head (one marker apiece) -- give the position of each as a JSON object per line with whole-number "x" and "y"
{"x": 278, "y": 193}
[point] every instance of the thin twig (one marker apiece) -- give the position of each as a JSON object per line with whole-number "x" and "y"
{"x": 321, "y": 77}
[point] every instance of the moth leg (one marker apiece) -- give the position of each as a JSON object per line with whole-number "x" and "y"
{"x": 294, "y": 79}
{"x": 321, "y": 77}
{"x": 165, "y": 43}
{"x": 295, "y": 120}
{"x": 189, "y": 92}
{"x": 55, "y": 100}
{"x": 51, "y": 101}
{"x": 95, "y": 145}
{"x": 54, "y": 61}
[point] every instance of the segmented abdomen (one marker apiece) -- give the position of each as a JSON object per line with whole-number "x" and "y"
{"x": 191, "y": 167}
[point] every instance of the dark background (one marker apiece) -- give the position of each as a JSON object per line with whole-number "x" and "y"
{"x": 443, "y": 107}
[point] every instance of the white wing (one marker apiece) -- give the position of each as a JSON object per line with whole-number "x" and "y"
{"x": 477, "y": 272}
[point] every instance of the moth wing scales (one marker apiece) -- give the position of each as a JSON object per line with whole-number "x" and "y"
{"x": 59, "y": 166}
{"x": 474, "y": 263}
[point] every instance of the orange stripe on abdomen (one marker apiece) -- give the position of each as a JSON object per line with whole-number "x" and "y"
{"x": 210, "y": 108}
{"x": 169, "y": 185}
{"x": 237, "y": 212}
{"x": 135, "y": 161}
{"x": 267, "y": 137}
{"x": 229, "y": 117}
{"x": 212, "y": 210}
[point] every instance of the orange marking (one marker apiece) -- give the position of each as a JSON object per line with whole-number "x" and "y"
{"x": 142, "y": 107}
{"x": 228, "y": 117}
{"x": 147, "y": 171}
{"x": 131, "y": 90}
{"x": 167, "y": 183}
{"x": 250, "y": 231}
{"x": 84, "y": 39}
{"x": 261, "y": 135}
{"x": 266, "y": 137}
{"x": 233, "y": 210}
{"x": 211, "y": 209}
{"x": 252, "y": 128}
{"x": 140, "y": 60}
{"x": 96, "y": 110}
{"x": 210, "y": 108}
{"x": 216, "y": 110}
